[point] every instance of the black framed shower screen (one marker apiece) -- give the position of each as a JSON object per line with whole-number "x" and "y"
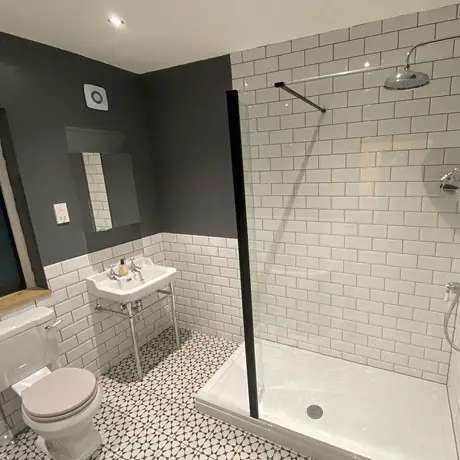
{"x": 235, "y": 131}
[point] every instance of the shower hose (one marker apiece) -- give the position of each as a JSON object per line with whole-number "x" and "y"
{"x": 447, "y": 318}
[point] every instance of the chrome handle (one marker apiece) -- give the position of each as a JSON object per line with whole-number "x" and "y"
{"x": 51, "y": 326}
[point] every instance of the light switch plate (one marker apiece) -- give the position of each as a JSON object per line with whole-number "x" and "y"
{"x": 61, "y": 213}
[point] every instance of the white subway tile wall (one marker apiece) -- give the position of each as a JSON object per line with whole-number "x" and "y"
{"x": 90, "y": 339}
{"x": 208, "y": 291}
{"x": 353, "y": 239}
{"x": 208, "y": 300}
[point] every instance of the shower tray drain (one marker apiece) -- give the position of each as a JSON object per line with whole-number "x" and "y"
{"x": 315, "y": 412}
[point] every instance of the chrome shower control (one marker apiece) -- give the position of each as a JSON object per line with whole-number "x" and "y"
{"x": 453, "y": 286}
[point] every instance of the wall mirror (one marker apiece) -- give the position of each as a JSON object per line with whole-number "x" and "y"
{"x": 106, "y": 189}
{"x": 105, "y": 184}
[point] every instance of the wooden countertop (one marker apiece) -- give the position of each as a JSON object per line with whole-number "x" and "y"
{"x": 20, "y": 298}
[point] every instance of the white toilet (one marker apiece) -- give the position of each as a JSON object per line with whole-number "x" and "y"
{"x": 59, "y": 405}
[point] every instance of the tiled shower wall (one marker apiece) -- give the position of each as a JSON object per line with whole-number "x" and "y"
{"x": 354, "y": 240}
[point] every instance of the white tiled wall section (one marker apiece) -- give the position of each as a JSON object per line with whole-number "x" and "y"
{"x": 208, "y": 289}
{"x": 207, "y": 292}
{"x": 355, "y": 241}
{"x": 89, "y": 339}
{"x": 97, "y": 191}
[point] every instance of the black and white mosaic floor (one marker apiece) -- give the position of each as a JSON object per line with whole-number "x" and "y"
{"x": 156, "y": 418}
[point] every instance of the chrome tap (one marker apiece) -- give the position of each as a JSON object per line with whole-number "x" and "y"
{"x": 136, "y": 269}
{"x": 112, "y": 274}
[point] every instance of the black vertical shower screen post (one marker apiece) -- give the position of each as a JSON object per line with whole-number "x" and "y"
{"x": 243, "y": 247}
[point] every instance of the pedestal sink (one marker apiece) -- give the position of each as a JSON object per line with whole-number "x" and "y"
{"x": 146, "y": 279}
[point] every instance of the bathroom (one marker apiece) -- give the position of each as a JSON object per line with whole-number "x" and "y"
{"x": 304, "y": 311}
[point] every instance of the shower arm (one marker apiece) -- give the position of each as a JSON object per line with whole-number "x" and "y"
{"x": 283, "y": 86}
{"x": 407, "y": 66}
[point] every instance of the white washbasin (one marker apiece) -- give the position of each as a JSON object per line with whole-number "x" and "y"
{"x": 134, "y": 286}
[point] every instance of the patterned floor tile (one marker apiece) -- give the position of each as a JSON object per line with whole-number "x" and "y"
{"x": 104, "y": 453}
{"x": 125, "y": 430}
{"x": 124, "y": 401}
{"x": 196, "y": 429}
{"x": 170, "y": 419}
{"x": 144, "y": 446}
{"x": 285, "y": 454}
{"x": 156, "y": 419}
{"x": 106, "y": 417}
{"x": 23, "y": 449}
{"x": 174, "y": 449}
{"x": 224, "y": 442}
{"x": 255, "y": 448}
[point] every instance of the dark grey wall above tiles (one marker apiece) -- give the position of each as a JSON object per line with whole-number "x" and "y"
{"x": 41, "y": 89}
{"x": 189, "y": 140}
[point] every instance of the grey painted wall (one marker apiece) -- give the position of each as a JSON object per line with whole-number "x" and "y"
{"x": 41, "y": 89}
{"x": 173, "y": 122}
{"x": 190, "y": 143}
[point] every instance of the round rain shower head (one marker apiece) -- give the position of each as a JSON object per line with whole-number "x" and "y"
{"x": 407, "y": 79}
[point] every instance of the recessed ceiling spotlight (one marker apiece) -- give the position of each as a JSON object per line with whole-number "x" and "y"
{"x": 116, "y": 21}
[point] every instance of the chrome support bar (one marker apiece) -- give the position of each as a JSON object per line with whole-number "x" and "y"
{"x": 282, "y": 85}
{"x": 127, "y": 311}
{"x": 173, "y": 311}
{"x": 134, "y": 337}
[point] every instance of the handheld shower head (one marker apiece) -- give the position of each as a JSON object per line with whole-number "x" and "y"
{"x": 407, "y": 79}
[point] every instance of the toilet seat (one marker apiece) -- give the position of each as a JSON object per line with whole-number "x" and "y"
{"x": 60, "y": 395}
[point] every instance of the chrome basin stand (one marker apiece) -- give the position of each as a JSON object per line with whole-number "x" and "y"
{"x": 127, "y": 312}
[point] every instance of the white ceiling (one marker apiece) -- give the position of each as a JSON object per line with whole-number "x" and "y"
{"x": 160, "y": 34}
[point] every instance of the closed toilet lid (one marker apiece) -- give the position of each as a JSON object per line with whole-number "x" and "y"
{"x": 60, "y": 393}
